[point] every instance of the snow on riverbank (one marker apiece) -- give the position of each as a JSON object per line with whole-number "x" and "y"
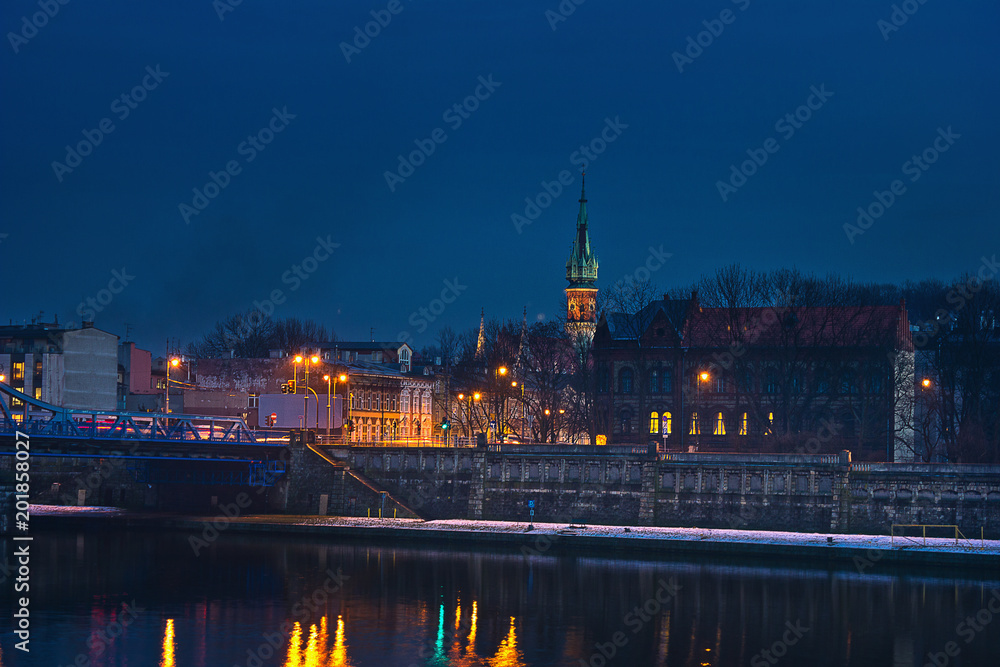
{"x": 720, "y": 535}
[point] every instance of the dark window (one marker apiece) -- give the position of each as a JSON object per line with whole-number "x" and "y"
{"x": 666, "y": 382}
{"x": 625, "y": 380}
{"x": 626, "y": 421}
{"x": 771, "y": 382}
{"x": 654, "y": 382}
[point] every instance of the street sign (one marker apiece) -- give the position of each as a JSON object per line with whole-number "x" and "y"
{"x": 531, "y": 504}
{"x": 532, "y": 512}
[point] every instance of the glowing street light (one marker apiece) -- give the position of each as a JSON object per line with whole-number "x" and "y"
{"x": 926, "y": 382}
{"x": 175, "y": 362}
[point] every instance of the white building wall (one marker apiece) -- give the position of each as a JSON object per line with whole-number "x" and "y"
{"x": 90, "y": 358}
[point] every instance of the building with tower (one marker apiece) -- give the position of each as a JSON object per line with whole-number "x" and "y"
{"x": 581, "y": 273}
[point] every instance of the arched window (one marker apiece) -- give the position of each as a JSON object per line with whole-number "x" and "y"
{"x": 719, "y": 426}
{"x": 744, "y": 424}
{"x": 768, "y": 430}
{"x": 654, "y": 382}
{"x": 694, "y": 430}
{"x": 625, "y": 381}
{"x": 668, "y": 423}
{"x": 654, "y": 421}
{"x": 626, "y": 421}
{"x": 602, "y": 379}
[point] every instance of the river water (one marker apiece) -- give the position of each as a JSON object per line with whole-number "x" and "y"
{"x": 136, "y": 599}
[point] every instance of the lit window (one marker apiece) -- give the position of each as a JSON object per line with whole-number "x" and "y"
{"x": 17, "y": 370}
{"x": 253, "y": 400}
{"x": 654, "y": 421}
{"x": 720, "y": 425}
{"x": 38, "y": 393}
{"x": 770, "y": 423}
{"x": 743, "y": 424}
{"x": 668, "y": 426}
{"x": 694, "y": 425}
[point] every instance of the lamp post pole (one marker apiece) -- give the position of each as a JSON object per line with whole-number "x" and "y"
{"x": 175, "y": 362}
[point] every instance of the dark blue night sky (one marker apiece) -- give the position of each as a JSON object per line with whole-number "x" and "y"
{"x": 607, "y": 64}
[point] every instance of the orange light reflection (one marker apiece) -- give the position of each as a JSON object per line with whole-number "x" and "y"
{"x": 167, "y": 660}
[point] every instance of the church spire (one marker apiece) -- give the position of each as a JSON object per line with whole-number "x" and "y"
{"x": 581, "y": 273}
{"x": 581, "y": 269}
{"x": 481, "y": 342}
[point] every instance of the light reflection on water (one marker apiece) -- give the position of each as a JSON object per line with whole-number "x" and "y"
{"x": 250, "y": 602}
{"x": 168, "y": 645}
{"x": 317, "y": 650}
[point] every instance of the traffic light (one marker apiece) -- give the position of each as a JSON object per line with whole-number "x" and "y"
{"x": 445, "y": 425}
{"x": 284, "y": 387}
{"x": 350, "y": 426}
{"x": 291, "y": 386}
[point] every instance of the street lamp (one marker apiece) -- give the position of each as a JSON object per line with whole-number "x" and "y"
{"x": 702, "y": 377}
{"x": 175, "y": 362}
{"x": 926, "y": 382}
{"x": 305, "y": 399}
{"x": 343, "y": 378}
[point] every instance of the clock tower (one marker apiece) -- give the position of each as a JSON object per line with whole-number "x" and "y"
{"x": 581, "y": 273}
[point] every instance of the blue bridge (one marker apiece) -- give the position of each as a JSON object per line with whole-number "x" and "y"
{"x": 215, "y": 449}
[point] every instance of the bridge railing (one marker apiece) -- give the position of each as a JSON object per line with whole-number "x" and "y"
{"x": 112, "y": 425}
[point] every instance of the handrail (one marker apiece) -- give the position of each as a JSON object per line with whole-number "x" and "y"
{"x": 364, "y": 481}
{"x": 924, "y": 526}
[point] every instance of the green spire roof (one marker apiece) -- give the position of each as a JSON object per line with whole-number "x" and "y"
{"x": 581, "y": 269}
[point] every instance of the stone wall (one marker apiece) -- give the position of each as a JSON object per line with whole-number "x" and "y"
{"x": 767, "y": 492}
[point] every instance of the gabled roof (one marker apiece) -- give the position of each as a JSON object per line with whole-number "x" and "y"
{"x": 690, "y": 325}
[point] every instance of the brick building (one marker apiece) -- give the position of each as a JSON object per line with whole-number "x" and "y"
{"x": 813, "y": 379}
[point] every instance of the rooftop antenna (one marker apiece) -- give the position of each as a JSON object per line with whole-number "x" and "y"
{"x": 372, "y": 334}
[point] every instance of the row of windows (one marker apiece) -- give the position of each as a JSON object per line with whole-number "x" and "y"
{"x": 661, "y": 382}
{"x": 664, "y": 423}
